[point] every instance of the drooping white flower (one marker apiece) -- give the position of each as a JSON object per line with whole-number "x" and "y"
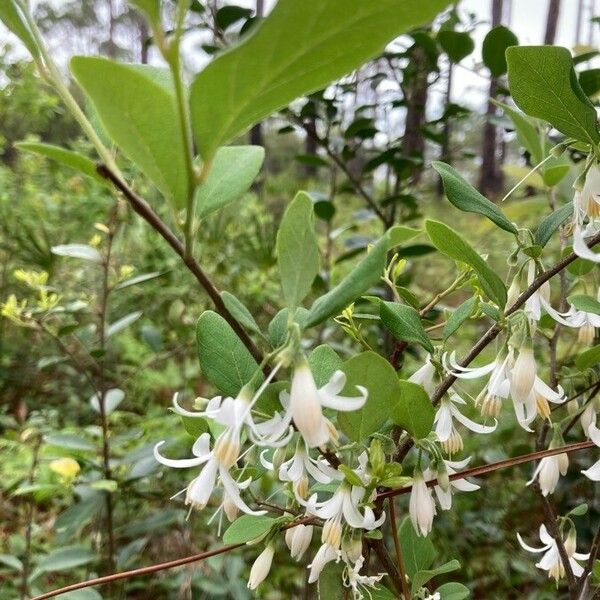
{"x": 359, "y": 584}
{"x": 444, "y": 496}
{"x": 421, "y": 506}
{"x": 497, "y": 387}
{"x": 548, "y": 472}
{"x": 425, "y": 375}
{"x": 261, "y": 567}
{"x": 445, "y": 430}
{"x": 298, "y": 540}
{"x": 324, "y": 555}
{"x": 551, "y": 560}
{"x": 522, "y": 375}
{"x": 593, "y": 472}
{"x": 297, "y": 469}
{"x": 342, "y": 507}
{"x": 586, "y": 205}
{"x": 306, "y": 402}
{"x": 588, "y": 418}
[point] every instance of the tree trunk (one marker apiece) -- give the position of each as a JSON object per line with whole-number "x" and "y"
{"x": 579, "y": 22}
{"x": 490, "y": 176}
{"x": 445, "y": 150}
{"x": 256, "y": 134}
{"x": 416, "y": 92}
{"x": 552, "y": 22}
{"x": 144, "y": 41}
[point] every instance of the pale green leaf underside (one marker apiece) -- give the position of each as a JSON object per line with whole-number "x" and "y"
{"x": 137, "y": 107}
{"x": 299, "y": 48}
{"x": 232, "y": 172}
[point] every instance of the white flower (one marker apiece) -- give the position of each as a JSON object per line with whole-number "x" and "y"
{"x": 342, "y": 506}
{"x": 444, "y": 496}
{"x": 355, "y": 581}
{"x": 586, "y": 205}
{"x": 424, "y": 376}
{"x": 593, "y": 472}
{"x": 497, "y": 387}
{"x": 551, "y": 560}
{"x": 261, "y": 567}
{"x": 421, "y": 505}
{"x": 297, "y": 469}
{"x": 523, "y": 375}
{"x": 548, "y": 472}
{"x": 447, "y": 434}
{"x": 588, "y": 418}
{"x": 586, "y": 322}
{"x": 298, "y": 540}
{"x": 324, "y": 555}
{"x": 306, "y": 403}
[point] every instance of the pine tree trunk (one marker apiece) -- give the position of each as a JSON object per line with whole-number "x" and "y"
{"x": 445, "y": 150}
{"x": 490, "y": 176}
{"x": 552, "y": 21}
{"x": 416, "y": 92}
{"x": 256, "y": 133}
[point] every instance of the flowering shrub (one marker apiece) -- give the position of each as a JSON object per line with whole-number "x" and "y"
{"x": 337, "y": 440}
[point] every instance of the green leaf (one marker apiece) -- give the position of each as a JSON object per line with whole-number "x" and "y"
{"x": 65, "y": 157}
{"x": 377, "y": 375}
{"x": 247, "y": 528}
{"x": 549, "y": 224}
{"x": 138, "y": 279}
{"x": 493, "y": 51}
{"x": 585, "y": 303}
{"x": 297, "y": 249}
{"x": 414, "y": 411}
{"x": 330, "y": 582}
{"x": 323, "y": 362}
{"x": 224, "y": 359}
{"x": 580, "y": 266}
{"x": 241, "y": 314}
{"x": 453, "y": 591}
{"x": 456, "y": 44}
{"x": 66, "y": 558}
{"x": 446, "y": 240}
{"x": 83, "y": 594}
{"x": 12, "y": 562}
{"x": 150, "y": 7}
{"x": 423, "y": 577}
{"x": 399, "y": 234}
{"x": 588, "y": 358}
{"x": 82, "y": 251}
{"x": 590, "y": 81}
{"x": 302, "y": 46}
{"x": 418, "y": 552}
{"x": 231, "y": 174}
{"x": 527, "y": 133}
{"x": 122, "y": 323}
{"x": 404, "y": 323}
{"x": 13, "y": 18}
{"x": 278, "y": 326}
{"x": 70, "y": 441}
{"x": 112, "y": 399}
{"x": 71, "y": 520}
{"x": 364, "y": 276}
{"x": 466, "y": 198}
{"x": 543, "y": 84}
{"x": 458, "y": 316}
{"x": 137, "y": 107}
{"x": 554, "y": 174}
{"x": 194, "y": 426}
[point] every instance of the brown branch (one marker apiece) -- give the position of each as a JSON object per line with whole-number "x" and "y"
{"x": 399, "y": 560}
{"x": 142, "y": 208}
{"x": 387, "y": 563}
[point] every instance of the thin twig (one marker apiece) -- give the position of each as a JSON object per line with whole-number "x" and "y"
{"x": 142, "y": 208}
{"x": 399, "y": 560}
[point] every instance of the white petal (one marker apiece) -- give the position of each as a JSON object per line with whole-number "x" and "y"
{"x": 201, "y": 446}
{"x": 443, "y": 421}
{"x": 547, "y": 392}
{"x": 593, "y": 472}
{"x": 530, "y": 548}
{"x": 181, "y": 463}
{"x": 594, "y": 434}
{"x": 476, "y": 427}
{"x": 231, "y": 487}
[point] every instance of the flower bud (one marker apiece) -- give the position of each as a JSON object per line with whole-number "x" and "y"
{"x": 523, "y": 374}
{"x": 261, "y": 567}
{"x": 300, "y": 540}
{"x": 352, "y": 546}
{"x": 230, "y": 508}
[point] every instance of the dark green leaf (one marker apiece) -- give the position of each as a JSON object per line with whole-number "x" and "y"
{"x": 423, "y": 577}
{"x": 453, "y": 591}
{"x": 588, "y": 358}
{"x": 549, "y": 224}
{"x": 494, "y": 48}
{"x": 414, "y": 411}
{"x": 585, "y": 303}
{"x": 247, "y": 528}
{"x": 543, "y": 84}
{"x": 459, "y": 316}
{"x": 456, "y": 44}
{"x": 324, "y": 362}
{"x": 465, "y": 197}
{"x": 404, "y": 323}
{"x": 418, "y": 552}
{"x": 590, "y": 81}
{"x": 12, "y": 16}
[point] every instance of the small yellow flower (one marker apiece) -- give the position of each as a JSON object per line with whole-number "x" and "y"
{"x": 34, "y": 279}
{"x": 66, "y": 468}
{"x": 14, "y": 310}
{"x": 125, "y": 272}
{"x": 95, "y": 240}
